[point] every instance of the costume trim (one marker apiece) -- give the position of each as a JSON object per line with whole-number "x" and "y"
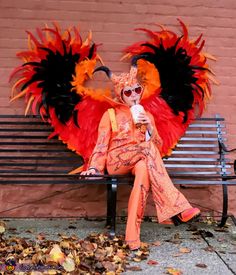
{"x": 112, "y": 116}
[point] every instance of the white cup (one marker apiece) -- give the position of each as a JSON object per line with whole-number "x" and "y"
{"x": 135, "y": 111}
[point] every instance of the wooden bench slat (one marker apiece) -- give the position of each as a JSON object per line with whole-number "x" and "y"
{"x": 30, "y": 143}
{"x": 202, "y": 182}
{"x": 199, "y": 139}
{"x": 175, "y": 152}
{"x": 197, "y": 165}
{"x": 41, "y": 123}
{"x": 191, "y": 159}
{"x": 31, "y": 130}
{"x": 32, "y": 172}
{"x": 197, "y": 125}
{"x": 194, "y": 145}
{"x": 59, "y": 158}
{"x": 51, "y": 150}
{"x": 204, "y": 132}
{"x": 171, "y": 173}
{"x": 26, "y": 137}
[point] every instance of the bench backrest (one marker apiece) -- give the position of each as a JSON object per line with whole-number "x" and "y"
{"x": 25, "y": 149}
{"x": 198, "y": 155}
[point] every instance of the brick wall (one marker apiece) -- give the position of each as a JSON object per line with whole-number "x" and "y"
{"x": 112, "y": 23}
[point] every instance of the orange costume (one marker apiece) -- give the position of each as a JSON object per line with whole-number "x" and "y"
{"x": 127, "y": 150}
{"x": 176, "y": 84}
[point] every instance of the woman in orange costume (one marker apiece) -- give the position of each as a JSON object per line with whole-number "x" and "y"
{"x": 134, "y": 148}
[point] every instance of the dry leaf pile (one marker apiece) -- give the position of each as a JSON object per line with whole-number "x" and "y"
{"x": 96, "y": 254}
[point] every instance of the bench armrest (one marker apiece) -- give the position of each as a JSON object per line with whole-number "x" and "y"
{"x": 224, "y": 148}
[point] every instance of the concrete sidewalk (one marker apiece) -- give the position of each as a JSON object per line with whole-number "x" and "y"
{"x": 198, "y": 248}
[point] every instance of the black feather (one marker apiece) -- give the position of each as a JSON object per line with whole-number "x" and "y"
{"x": 54, "y": 75}
{"x": 91, "y": 51}
{"x": 176, "y": 75}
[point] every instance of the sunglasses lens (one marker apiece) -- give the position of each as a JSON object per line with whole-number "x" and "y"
{"x": 138, "y": 90}
{"x": 127, "y": 93}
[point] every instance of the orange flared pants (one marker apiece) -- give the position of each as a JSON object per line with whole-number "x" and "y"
{"x": 145, "y": 163}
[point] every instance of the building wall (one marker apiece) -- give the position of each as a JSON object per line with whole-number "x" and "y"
{"x": 112, "y": 23}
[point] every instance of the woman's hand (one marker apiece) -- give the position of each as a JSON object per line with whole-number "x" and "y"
{"x": 91, "y": 171}
{"x": 143, "y": 118}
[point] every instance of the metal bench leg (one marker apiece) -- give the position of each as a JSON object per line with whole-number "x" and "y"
{"x": 109, "y": 201}
{"x": 111, "y": 206}
{"x": 225, "y": 206}
{"x": 113, "y": 209}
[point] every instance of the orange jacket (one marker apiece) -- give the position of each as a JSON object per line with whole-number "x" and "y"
{"x": 127, "y": 134}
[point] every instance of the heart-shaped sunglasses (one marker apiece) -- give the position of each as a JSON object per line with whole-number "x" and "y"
{"x": 128, "y": 92}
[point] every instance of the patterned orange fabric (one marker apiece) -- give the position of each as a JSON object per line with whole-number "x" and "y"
{"x": 127, "y": 151}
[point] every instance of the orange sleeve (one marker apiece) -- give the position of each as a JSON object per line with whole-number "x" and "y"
{"x": 99, "y": 155}
{"x": 155, "y": 138}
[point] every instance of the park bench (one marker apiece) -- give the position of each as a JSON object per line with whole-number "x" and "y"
{"x": 27, "y": 156}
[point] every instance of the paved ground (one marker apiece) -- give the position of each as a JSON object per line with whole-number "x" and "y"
{"x": 198, "y": 248}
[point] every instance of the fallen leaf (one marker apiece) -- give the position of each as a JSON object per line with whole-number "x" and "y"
{"x": 178, "y": 255}
{"x": 88, "y": 246}
{"x": 134, "y": 268}
{"x": 100, "y": 254}
{"x": 65, "y": 244}
{"x": 144, "y": 245}
{"x": 221, "y": 229}
{"x": 136, "y": 259}
{"x": 120, "y": 253}
{"x": 41, "y": 236}
{"x": 157, "y": 243}
{"x": 12, "y": 229}
{"x": 152, "y": 262}
{"x": 109, "y": 266}
{"x": 38, "y": 258}
{"x": 72, "y": 227}
{"x": 192, "y": 228}
{"x": 138, "y": 253}
{"x": 175, "y": 239}
{"x": 51, "y": 272}
{"x": 109, "y": 250}
{"x": 68, "y": 264}
{"x": 2, "y": 227}
{"x": 56, "y": 254}
{"x": 221, "y": 240}
{"x": 201, "y": 265}
{"x": 177, "y": 235}
{"x": 184, "y": 250}
{"x": 206, "y": 234}
{"x": 222, "y": 251}
{"x": 29, "y": 231}
{"x": 209, "y": 249}
{"x": 63, "y": 236}
{"x": 117, "y": 259}
{"x": 173, "y": 271}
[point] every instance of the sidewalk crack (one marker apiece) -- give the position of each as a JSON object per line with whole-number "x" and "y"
{"x": 218, "y": 254}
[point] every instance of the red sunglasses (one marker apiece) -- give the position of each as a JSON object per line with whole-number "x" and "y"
{"x": 128, "y": 92}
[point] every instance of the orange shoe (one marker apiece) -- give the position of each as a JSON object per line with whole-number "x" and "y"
{"x": 186, "y": 216}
